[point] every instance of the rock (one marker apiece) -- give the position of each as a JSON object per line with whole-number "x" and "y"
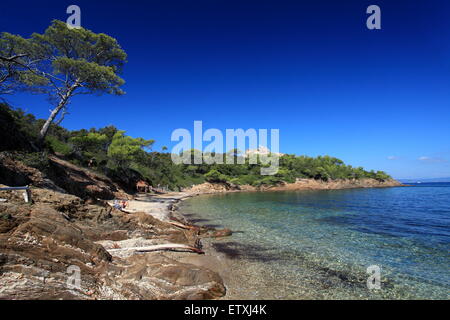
{"x": 40, "y": 241}
{"x": 62, "y": 176}
{"x": 208, "y": 187}
{"x": 215, "y": 233}
{"x": 154, "y": 276}
{"x": 300, "y": 184}
{"x": 82, "y": 182}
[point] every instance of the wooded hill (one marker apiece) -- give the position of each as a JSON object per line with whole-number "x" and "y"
{"x": 122, "y": 158}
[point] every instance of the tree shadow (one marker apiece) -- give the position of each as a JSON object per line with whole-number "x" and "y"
{"x": 214, "y": 226}
{"x": 251, "y": 252}
{"x": 197, "y": 220}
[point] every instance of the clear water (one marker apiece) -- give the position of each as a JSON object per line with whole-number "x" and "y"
{"x": 318, "y": 244}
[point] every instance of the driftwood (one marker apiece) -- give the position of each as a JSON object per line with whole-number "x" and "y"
{"x": 158, "y": 247}
{"x": 183, "y": 226}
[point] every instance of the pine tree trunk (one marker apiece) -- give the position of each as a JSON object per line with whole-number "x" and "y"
{"x": 62, "y": 103}
{"x": 49, "y": 121}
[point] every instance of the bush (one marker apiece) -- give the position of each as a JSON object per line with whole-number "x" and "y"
{"x": 216, "y": 176}
{"x": 38, "y": 160}
{"x": 58, "y": 146}
{"x": 245, "y": 180}
{"x": 268, "y": 180}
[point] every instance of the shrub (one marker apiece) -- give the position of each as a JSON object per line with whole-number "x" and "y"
{"x": 216, "y": 176}
{"x": 58, "y": 146}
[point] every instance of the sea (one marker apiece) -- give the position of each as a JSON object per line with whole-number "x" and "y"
{"x": 371, "y": 243}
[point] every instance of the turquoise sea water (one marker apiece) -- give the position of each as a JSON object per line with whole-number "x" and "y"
{"x": 318, "y": 244}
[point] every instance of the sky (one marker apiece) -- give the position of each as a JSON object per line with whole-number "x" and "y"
{"x": 312, "y": 69}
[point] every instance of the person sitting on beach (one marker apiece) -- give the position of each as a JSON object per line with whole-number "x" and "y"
{"x": 120, "y": 205}
{"x": 117, "y": 205}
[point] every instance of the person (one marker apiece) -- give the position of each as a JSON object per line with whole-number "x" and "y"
{"x": 117, "y": 205}
{"x": 120, "y": 205}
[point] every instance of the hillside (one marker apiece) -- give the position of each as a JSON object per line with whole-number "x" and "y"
{"x": 116, "y": 158}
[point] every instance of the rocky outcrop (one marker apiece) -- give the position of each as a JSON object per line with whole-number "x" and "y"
{"x": 157, "y": 277}
{"x": 37, "y": 246}
{"x": 209, "y": 187}
{"x": 62, "y": 176}
{"x": 41, "y": 243}
{"x": 83, "y": 182}
{"x": 300, "y": 184}
{"x": 311, "y": 184}
{"x": 15, "y": 173}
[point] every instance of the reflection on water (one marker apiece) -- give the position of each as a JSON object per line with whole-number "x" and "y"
{"x": 318, "y": 244}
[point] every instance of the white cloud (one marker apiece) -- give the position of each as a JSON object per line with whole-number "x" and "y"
{"x": 430, "y": 159}
{"x": 393, "y": 158}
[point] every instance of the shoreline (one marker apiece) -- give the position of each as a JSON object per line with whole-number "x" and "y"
{"x": 254, "y": 267}
{"x": 112, "y": 248}
{"x": 298, "y": 185}
{"x": 228, "y": 267}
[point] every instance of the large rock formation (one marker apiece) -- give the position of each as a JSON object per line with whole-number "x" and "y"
{"x": 41, "y": 243}
{"x": 300, "y": 184}
{"x": 62, "y": 176}
{"x": 311, "y": 184}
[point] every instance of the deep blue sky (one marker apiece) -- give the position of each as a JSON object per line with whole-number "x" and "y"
{"x": 378, "y": 99}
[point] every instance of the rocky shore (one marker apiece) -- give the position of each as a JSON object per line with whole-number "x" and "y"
{"x": 299, "y": 184}
{"x": 148, "y": 251}
{"x": 40, "y": 242}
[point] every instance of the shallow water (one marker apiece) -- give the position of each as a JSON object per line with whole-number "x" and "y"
{"x": 318, "y": 244}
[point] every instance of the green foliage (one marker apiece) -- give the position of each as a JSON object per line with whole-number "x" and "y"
{"x": 38, "y": 160}
{"x": 267, "y": 181}
{"x": 321, "y": 174}
{"x": 90, "y": 59}
{"x": 245, "y": 180}
{"x": 18, "y": 60}
{"x": 89, "y": 143}
{"x": 216, "y": 176}
{"x": 125, "y": 149}
{"x": 380, "y": 176}
{"x": 126, "y": 158}
{"x": 323, "y": 168}
{"x": 17, "y": 129}
{"x": 57, "y": 145}
{"x": 285, "y": 175}
{"x": 61, "y": 62}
